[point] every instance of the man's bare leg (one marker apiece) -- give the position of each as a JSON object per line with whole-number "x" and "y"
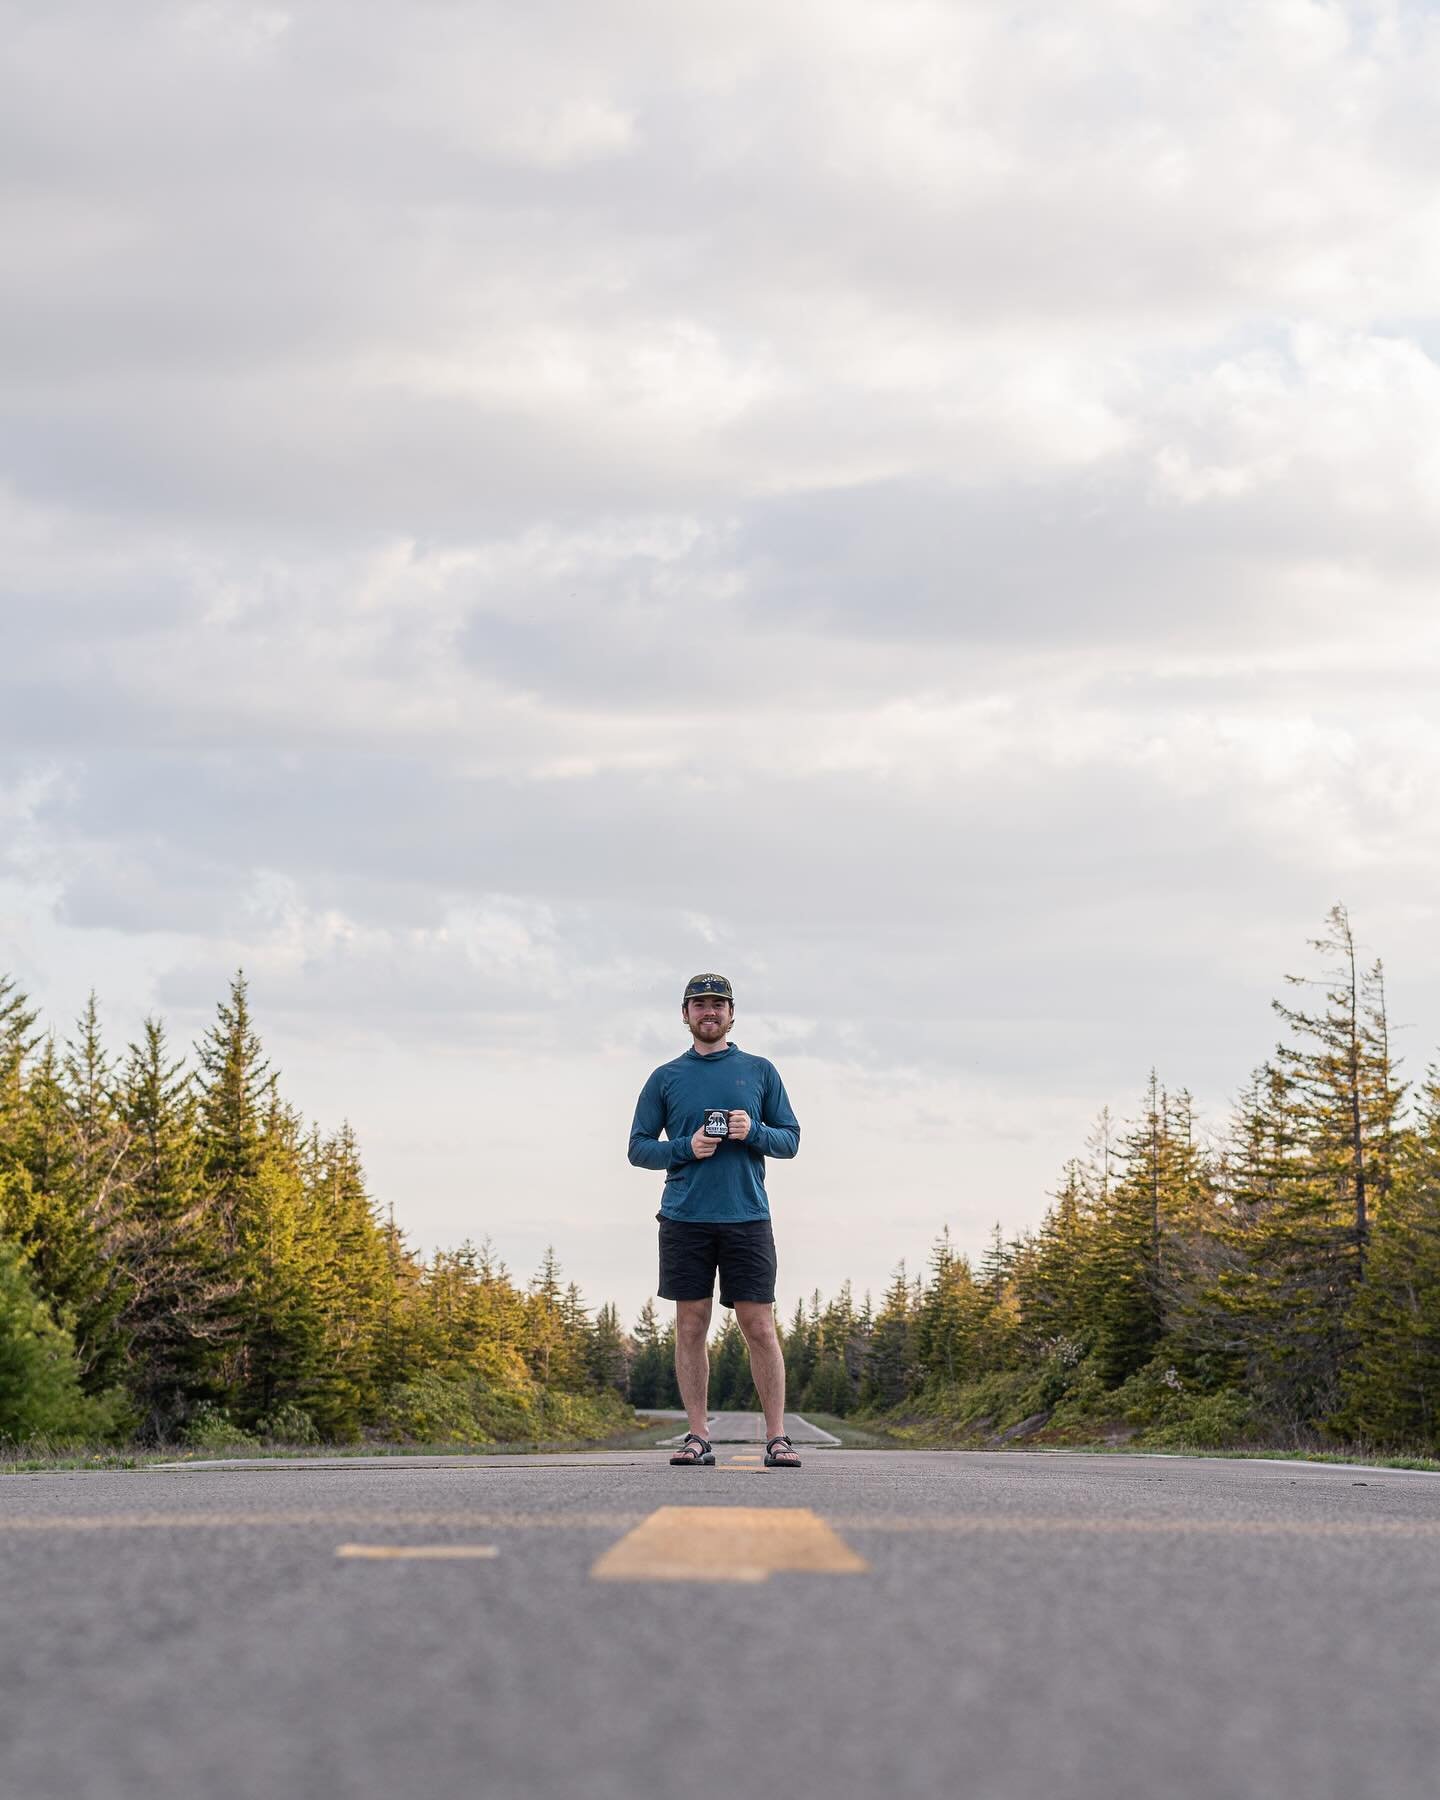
{"x": 692, "y": 1361}
{"x": 767, "y": 1360}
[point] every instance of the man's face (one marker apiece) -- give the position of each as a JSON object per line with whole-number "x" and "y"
{"x": 709, "y": 1018}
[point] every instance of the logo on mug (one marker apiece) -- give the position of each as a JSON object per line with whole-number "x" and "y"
{"x": 717, "y": 1122}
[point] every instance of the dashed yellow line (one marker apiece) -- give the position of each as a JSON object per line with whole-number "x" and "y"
{"x": 417, "y": 1552}
{"x": 727, "y": 1543}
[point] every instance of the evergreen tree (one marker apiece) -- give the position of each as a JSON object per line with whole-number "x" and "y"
{"x": 348, "y": 1259}
{"x": 606, "y": 1362}
{"x": 650, "y": 1371}
{"x": 798, "y": 1344}
{"x": 556, "y": 1328}
{"x": 235, "y": 1086}
{"x": 281, "y": 1335}
{"x": 1301, "y": 1228}
{"x": 18, "y": 1041}
{"x": 1052, "y": 1270}
{"x": 731, "y": 1388}
{"x": 178, "y": 1308}
{"x": 1391, "y": 1389}
{"x": 890, "y": 1366}
{"x": 40, "y": 1391}
{"x": 68, "y": 1228}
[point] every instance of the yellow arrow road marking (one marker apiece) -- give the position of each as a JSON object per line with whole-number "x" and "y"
{"x": 415, "y": 1552}
{"x": 727, "y": 1543}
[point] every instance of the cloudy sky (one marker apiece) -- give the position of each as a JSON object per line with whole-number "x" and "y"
{"x": 930, "y": 509}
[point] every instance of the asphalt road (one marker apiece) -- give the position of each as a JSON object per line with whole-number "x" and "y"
{"x": 749, "y": 1428}
{"x": 998, "y": 1627}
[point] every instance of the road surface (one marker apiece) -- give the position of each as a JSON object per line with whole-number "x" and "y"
{"x": 997, "y": 1627}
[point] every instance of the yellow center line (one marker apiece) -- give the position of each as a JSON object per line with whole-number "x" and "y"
{"x": 416, "y": 1552}
{"x": 727, "y": 1543}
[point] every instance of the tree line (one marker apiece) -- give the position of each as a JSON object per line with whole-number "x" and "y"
{"x": 184, "y": 1258}
{"x": 1275, "y": 1281}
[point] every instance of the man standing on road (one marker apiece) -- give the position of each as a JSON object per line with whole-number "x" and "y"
{"x": 722, "y": 1113}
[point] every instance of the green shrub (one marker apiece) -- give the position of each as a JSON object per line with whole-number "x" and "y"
{"x": 1173, "y": 1413}
{"x": 210, "y": 1427}
{"x": 288, "y": 1424}
{"x": 40, "y": 1394}
{"x": 458, "y": 1406}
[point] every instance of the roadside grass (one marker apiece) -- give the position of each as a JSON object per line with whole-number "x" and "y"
{"x": 58, "y": 1458}
{"x": 868, "y": 1436}
{"x": 1352, "y": 1456}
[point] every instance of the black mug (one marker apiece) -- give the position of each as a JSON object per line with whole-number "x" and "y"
{"x": 717, "y": 1122}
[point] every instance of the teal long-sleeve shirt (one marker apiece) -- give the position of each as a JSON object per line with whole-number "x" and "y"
{"x": 730, "y": 1184}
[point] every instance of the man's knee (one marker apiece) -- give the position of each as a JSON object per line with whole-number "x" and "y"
{"x": 692, "y": 1321}
{"x": 757, "y": 1322}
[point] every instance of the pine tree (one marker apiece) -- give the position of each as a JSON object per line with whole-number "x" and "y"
{"x": 40, "y": 1391}
{"x": 1301, "y": 1232}
{"x": 555, "y": 1329}
{"x": 890, "y": 1366}
{"x": 798, "y": 1344}
{"x": 68, "y": 1229}
{"x": 346, "y": 1252}
{"x": 1124, "y": 1276}
{"x": 281, "y": 1328}
{"x": 235, "y": 1086}
{"x": 731, "y": 1388}
{"x": 1052, "y": 1271}
{"x": 652, "y": 1362}
{"x": 179, "y": 1303}
{"x": 1391, "y": 1389}
{"x": 18, "y": 1041}
{"x": 606, "y": 1362}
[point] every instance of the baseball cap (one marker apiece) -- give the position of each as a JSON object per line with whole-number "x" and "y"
{"x": 708, "y": 984}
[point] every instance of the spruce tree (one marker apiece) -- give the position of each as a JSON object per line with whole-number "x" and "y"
{"x": 68, "y": 1226}
{"x": 234, "y": 1087}
{"x": 179, "y": 1300}
{"x": 1391, "y": 1388}
{"x": 890, "y": 1366}
{"x": 647, "y": 1365}
{"x": 40, "y": 1389}
{"x": 731, "y": 1387}
{"x": 606, "y": 1361}
{"x": 1299, "y": 1244}
{"x": 346, "y": 1252}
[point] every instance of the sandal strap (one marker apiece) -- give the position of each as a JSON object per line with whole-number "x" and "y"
{"x": 782, "y": 1439}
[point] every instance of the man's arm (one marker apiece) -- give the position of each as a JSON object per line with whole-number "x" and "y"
{"x": 777, "y": 1131}
{"x": 647, "y": 1150}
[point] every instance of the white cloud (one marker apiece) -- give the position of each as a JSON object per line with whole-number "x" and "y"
{"x": 932, "y": 508}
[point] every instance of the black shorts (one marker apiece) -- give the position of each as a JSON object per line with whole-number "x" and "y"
{"x": 743, "y": 1250}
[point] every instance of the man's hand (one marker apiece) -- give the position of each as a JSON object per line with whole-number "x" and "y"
{"x": 704, "y": 1146}
{"x": 739, "y": 1125}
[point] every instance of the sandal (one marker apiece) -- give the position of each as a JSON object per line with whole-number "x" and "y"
{"x": 781, "y": 1459}
{"x": 693, "y": 1450}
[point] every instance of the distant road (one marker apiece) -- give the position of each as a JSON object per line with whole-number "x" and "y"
{"x": 989, "y": 1627}
{"x": 749, "y": 1428}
